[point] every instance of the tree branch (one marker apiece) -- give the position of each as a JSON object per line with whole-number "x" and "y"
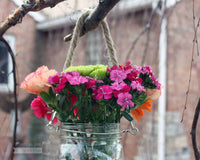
{"x": 96, "y": 17}
{"x": 193, "y": 132}
{"x": 20, "y": 12}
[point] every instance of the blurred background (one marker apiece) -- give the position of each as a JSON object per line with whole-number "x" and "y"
{"x": 149, "y": 32}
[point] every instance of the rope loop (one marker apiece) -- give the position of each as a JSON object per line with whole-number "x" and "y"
{"x": 75, "y": 38}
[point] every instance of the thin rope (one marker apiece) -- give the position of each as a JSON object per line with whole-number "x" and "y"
{"x": 75, "y": 38}
{"x": 76, "y": 35}
{"x": 109, "y": 42}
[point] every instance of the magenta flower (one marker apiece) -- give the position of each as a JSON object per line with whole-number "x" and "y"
{"x": 104, "y": 91}
{"x": 90, "y": 84}
{"x": 137, "y": 85}
{"x": 74, "y": 73}
{"x": 54, "y": 79}
{"x": 124, "y": 100}
{"x": 125, "y": 87}
{"x": 156, "y": 81}
{"x": 132, "y": 76}
{"x": 112, "y": 68}
{"x": 139, "y": 80}
{"x": 148, "y": 69}
{"x": 117, "y": 75}
{"x": 41, "y": 109}
{"x": 61, "y": 85}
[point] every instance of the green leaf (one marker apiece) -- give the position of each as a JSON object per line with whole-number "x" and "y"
{"x": 51, "y": 93}
{"x": 46, "y": 97}
{"x": 127, "y": 116}
{"x": 62, "y": 100}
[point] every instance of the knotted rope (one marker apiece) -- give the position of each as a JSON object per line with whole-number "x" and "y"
{"x": 75, "y": 38}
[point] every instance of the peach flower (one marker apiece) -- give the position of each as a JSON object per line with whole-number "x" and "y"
{"x": 37, "y": 81}
{"x": 153, "y": 93}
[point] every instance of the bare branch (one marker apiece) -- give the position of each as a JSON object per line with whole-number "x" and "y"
{"x": 96, "y": 16}
{"x": 193, "y": 132}
{"x": 20, "y": 12}
{"x": 147, "y": 28}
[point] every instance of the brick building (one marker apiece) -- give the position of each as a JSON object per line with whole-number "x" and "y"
{"x": 127, "y": 20}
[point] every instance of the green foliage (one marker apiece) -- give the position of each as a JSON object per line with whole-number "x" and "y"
{"x": 147, "y": 81}
{"x": 94, "y": 71}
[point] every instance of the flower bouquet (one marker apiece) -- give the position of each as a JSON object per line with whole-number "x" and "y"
{"x": 93, "y": 95}
{"x": 91, "y": 100}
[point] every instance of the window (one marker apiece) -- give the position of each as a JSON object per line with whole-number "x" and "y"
{"x": 94, "y": 47}
{"x": 6, "y": 75}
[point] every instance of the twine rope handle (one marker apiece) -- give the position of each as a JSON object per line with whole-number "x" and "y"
{"x": 76, "y": 35}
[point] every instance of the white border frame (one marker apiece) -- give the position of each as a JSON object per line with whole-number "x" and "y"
{"x": 9, "y": 87}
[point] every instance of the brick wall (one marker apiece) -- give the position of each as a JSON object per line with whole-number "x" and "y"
{"x": 50, "y": 50}
{"x": 180, "y": 39}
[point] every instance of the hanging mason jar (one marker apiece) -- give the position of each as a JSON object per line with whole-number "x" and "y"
{"x": 90, "y": 142}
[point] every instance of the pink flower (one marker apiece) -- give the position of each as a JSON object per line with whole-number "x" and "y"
{"x": 158, "y": 85}
{"x": 139, "y": 69}
{"x": 137, "y": 85}
{"x": 76, "y": 79}
{"x": 41, "y": 109}
{"x": 118, "y": 88}
{"x": 37, "y": 81}
{"x": 117, "y": 75}
{"x": 104, "y": 91}
{"x": 124, "y": 100}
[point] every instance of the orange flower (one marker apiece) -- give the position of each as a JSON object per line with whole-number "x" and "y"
{"x": 138, "y": 112}
{"x": 37, "y": 81}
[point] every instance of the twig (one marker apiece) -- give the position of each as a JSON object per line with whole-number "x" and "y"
{"x": 15, "y": 96}
{"x": 95, "y": 17}
{"x": 146, "y": 46}
{"x": 193, "y": 132}
{"x": 20, "y": 12}
{"x": 135, "y": 41}
{"x": 191, "y": 64}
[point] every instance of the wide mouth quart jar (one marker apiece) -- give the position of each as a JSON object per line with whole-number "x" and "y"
{"x": 84, "y": 141}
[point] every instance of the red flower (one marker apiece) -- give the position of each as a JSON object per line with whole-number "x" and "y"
{"x": 90, "y": 84}
{"x": 41, "y": 109}
{"x": 132, "y": 76}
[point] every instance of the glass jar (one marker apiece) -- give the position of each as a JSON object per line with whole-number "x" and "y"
{"x": 90, "y": 142}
